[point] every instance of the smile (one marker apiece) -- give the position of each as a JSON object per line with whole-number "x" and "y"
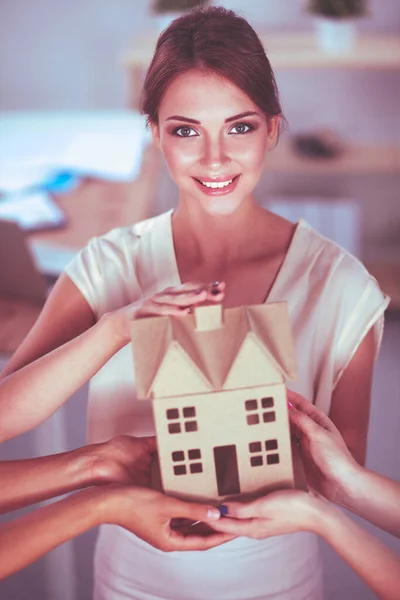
{"x": 216, "y": 184}
{"x": 217, "y": 188}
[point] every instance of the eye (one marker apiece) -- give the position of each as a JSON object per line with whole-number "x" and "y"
{"x": 184, "y": 131}
{"x": 241, "y": 128}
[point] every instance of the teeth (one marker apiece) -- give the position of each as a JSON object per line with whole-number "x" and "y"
{"x": 216, "y": 184}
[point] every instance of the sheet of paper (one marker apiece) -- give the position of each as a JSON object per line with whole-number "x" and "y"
{"x": 31, "y": 211}
{"x": 36, "y": 145}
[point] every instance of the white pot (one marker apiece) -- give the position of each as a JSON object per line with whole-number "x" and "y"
{"x": 335, "y": 36}
{"x": 165, "y": 19}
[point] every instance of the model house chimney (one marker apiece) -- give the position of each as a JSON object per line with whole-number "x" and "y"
{"x": 208, "y": 317}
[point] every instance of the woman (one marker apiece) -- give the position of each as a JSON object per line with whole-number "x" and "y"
{"x": 212, "y": 104}
{"x": 334, "y": 474}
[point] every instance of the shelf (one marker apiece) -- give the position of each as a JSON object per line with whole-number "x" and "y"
{"x": 357, "y": 159}
{"x": 298, "y": 50}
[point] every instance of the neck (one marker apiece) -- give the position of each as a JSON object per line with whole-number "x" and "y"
{"x": 218, "y": 238}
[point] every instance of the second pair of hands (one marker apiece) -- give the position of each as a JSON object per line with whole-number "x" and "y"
{"x": 330, "y": 472}
{"x": 121, "y": 471}
{"x": 329, "y": 468}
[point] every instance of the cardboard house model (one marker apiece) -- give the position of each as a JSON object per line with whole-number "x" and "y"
{"x": 216, "y": 380}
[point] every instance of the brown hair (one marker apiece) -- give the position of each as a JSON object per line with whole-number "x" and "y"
{"x": 216, "y": 40}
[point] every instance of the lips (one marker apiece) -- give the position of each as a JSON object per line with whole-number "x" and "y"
{"x": 217, "y": 186}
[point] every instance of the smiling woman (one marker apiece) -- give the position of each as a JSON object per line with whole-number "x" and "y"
{"x": 212, "y": 104}
{"x": 232, "y": 97}
{"x": 215, "y": 154}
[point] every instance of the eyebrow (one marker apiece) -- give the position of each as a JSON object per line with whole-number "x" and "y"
{"x": 249, "y": 113}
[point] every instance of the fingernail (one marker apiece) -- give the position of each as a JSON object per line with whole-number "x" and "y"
{"x": 215, "y": 291}
{"x": 223, "y": 509}
{"x": 215, "y": 284}
{"x": 290, "y": 405}
{"x": 213, "y": 514}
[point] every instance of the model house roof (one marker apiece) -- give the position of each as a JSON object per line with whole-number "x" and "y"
{"x": 213, "y": 349}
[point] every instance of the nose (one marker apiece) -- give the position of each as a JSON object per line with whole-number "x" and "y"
{"x": 214, "y": 154}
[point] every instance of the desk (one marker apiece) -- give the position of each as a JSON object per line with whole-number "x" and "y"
{"x": 285, "y": 50}
{"x": 92, "y": 209}
{"x": 96, "y": 207}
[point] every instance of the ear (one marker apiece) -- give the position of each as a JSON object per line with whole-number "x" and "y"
{"x": 155, "y": 132}
{"x": 273, "y": 130}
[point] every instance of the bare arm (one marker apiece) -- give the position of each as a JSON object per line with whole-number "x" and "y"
{"x": 351, "y": 399}
{"x": 290, "y": 511}
{"x": 35, "y": 392}
{"x": 331, "y": 470}
{"x": 26, "y": 482}
{"x": 144, "y": 512}
{"x": 65, "y": 315}
{"x": 123, "y": 459}
{"x": 375, "y": 498}
{"x": 31, "y": 394}
{"x": 374, "y": 562}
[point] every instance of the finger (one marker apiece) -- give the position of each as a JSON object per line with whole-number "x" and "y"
{"x": 182, "y": 298}
{"x": 154, "y": 309}
{"x": 193, "y": 286}
{"x": 303, "y": 425}
{"x": 243, "y": 510}
{"x": 306, "y": 407}
{"x": 191, "y": 510}
{"x": 151, "y": 442}
{"x": 237, "y": 527}
{"x": 177, "y": 541}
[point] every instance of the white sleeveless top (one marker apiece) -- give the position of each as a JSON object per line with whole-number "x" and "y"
{"x": 332, "y": 301}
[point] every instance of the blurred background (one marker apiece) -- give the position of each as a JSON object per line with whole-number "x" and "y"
{"x": 76, "y": 161}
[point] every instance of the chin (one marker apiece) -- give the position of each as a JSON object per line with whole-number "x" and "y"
{"x": 221, "y": 206}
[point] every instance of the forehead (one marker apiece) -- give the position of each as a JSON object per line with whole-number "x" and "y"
{"x": 198, "y": 94}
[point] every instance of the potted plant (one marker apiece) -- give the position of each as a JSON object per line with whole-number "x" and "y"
{"x": 168, "y": 10}
{"x": 335, "y": 23}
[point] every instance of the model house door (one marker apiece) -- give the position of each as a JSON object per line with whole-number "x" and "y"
{"x": 226, "y": 470}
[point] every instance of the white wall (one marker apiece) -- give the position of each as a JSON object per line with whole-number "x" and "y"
{"x": 56, "y": 55}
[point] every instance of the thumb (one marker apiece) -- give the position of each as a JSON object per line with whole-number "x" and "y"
{"x": 192, "y": 510}
{"x": 151, "y": 442}
{"x": 303, "y": 424}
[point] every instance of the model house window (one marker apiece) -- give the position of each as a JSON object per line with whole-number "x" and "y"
{"x": 260, "y": 452}
{"x": 181, "y": 419}
{"x": 187, "y": 462}
{"x": 257, "y": 410}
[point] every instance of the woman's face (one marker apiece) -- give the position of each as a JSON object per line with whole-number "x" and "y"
{"x": 214, "y": 139}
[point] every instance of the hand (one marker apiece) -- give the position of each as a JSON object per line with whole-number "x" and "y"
{"x": 278, "y": 513}
{"x": 148, "y": 514}
{"x": 123, "y": 459}
{"x": 328, "y": 464}
{"x": 173, "y": 301}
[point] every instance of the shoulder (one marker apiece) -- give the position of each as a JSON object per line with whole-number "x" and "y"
{"x": 113, "y": 268}
{"x": 325, "y": 260}
{"x": 339, "y": 292}
{"x": 126, "y": 240}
